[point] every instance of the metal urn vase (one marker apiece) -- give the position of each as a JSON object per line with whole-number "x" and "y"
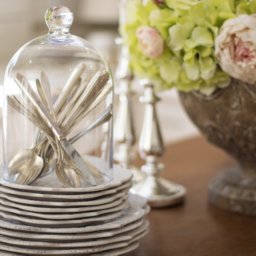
{"x": 228, "y": 119}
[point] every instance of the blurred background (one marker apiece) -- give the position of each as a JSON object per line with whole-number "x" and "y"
{"x": 96, "y": 21}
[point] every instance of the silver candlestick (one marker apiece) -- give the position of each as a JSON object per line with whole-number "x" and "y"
{"x": 124, "y": 130}
{"x": 159, "y": 192}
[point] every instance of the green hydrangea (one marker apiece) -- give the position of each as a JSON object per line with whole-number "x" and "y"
{"x": 189, "y": 29}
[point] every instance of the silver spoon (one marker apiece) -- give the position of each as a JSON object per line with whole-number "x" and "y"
{"x": 26, "y": 164}
{"x": 17, "y": 163}
{"x": 19, "y": 172}
{"x": 23, "y": 164}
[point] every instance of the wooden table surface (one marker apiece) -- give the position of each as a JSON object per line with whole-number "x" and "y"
{"x": 197, "y": 228}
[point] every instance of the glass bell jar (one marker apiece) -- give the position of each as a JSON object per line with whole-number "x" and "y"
{"x": 57, "y": 114}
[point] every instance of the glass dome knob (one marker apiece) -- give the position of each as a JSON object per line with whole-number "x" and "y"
{"x": 59, "y": 19}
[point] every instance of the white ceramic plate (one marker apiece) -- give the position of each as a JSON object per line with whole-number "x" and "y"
{"x": 56, "y": 210}
{"x": 125, "y": 237}
{"x": 69, "y": 237}
{"x": 115, "y": 252}
{"x": 60, "y": 223}
{"x": 129, "y": 216}
{"x": 68, "y": 252}
{"x": 51, "y": 184}
{"x": 120, "y": 251}
{"x": 63, "y": 197}
{"x": 63, "y": 215}
{"x": 69, "y": 204}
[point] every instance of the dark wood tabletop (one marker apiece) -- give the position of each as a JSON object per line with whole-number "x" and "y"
{"x": 197, "y": 228}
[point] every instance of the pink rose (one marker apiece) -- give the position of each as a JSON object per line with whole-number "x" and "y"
{"x": 160, "y": 3}
{"x": 151, "y": 42}
{"x": 235, "y": 48}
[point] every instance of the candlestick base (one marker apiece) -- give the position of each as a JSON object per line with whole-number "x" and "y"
{"x": 160, "y": 192}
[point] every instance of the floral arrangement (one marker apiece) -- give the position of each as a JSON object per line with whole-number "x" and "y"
{"x": 191, "y": 44}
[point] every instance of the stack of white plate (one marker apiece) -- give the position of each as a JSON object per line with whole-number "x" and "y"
{"x": 51, "y": 220}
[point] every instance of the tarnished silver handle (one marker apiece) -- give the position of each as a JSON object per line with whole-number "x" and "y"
{"x": 107, "y": 114}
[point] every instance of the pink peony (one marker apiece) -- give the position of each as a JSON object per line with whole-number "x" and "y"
{"x": 235, "y": 48}
{"x": 151, "y": 42}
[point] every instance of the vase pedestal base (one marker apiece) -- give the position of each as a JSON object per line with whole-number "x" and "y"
{"x": 235, "y": 191}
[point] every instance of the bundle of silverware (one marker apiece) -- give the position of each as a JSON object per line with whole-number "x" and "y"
{"x": 52, "y": 150}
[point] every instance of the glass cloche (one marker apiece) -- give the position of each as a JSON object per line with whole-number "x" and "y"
{"x": 57, "y": 114}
